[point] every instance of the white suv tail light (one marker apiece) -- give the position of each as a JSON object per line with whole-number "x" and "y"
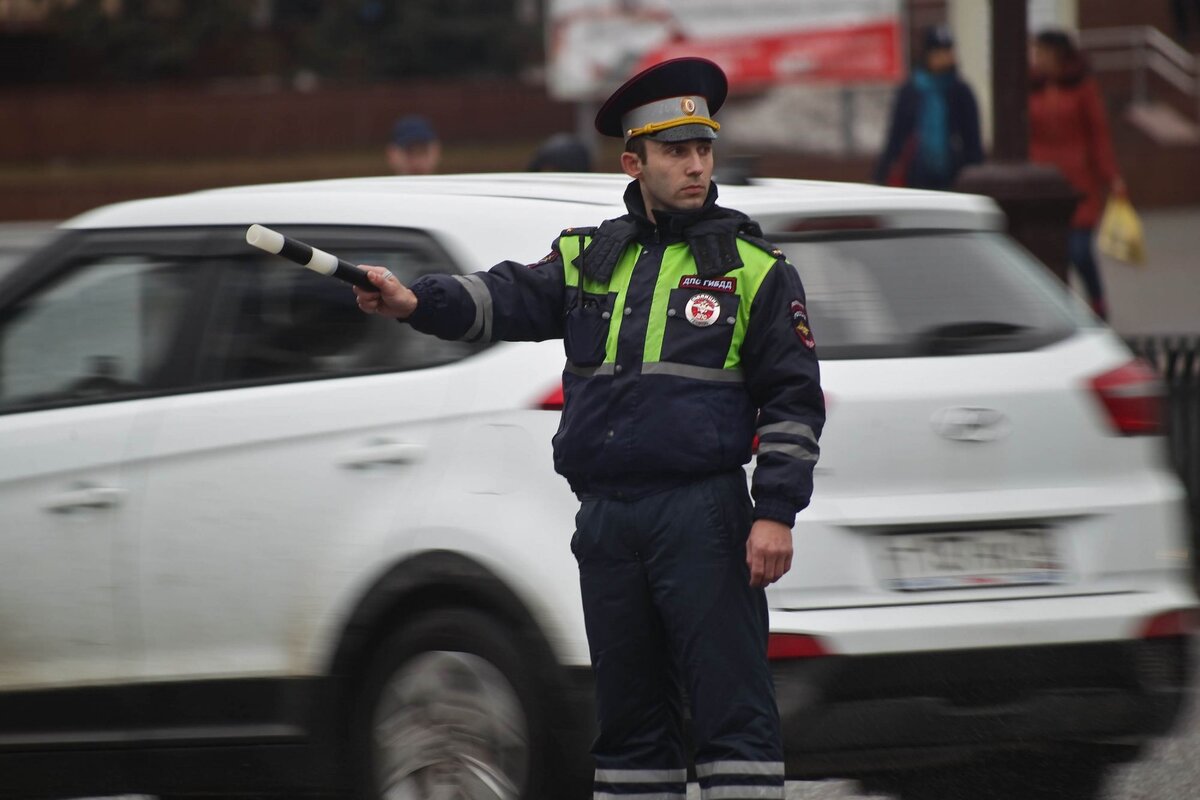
{"x": 787, "y": 646}
{"x": 553, "y": 401}
{"x": 1132, "y": 395}
{"x": 1181, "y": 622}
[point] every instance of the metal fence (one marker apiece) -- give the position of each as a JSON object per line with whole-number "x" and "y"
{"x": 1177, "y": 359}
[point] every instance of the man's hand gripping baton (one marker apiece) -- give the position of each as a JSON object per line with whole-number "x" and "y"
{"x": 308, "y": 256}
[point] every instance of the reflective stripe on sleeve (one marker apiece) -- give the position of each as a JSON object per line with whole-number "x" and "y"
{"x": 481, "y": 328}
{"x": 796, "y": 451}
{"x": 789, "y": 428}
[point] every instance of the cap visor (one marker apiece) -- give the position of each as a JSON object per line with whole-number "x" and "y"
{"x": 682, "y": 133}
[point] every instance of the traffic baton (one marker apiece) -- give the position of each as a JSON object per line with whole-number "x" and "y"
{"x": 308, "y": 256}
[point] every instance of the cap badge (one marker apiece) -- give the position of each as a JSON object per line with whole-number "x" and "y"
{"x": 688, "y": 105}
{"x": 702, "y": 309}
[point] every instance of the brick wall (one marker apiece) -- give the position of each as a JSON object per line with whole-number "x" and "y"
{"x": 174, "y": 123}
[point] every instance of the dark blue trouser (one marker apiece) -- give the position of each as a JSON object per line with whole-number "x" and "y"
{"x": 1082, "y": 256}
{"x": 668, "y": 604}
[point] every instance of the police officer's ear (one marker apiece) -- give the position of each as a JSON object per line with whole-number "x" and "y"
{"x": 632, "y": 165}
{"x": 633, "y": 160}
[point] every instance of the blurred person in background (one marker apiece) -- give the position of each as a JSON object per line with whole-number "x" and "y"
{"x": 562, "y": 152}
{"x": 934, "y": 128}
{"x": 414, "y": 148}
{"x": 1068, "y": 129}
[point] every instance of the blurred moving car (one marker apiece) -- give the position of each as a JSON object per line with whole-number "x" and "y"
{"x": 254, "y": 541}
{"x": 18, "y": 239}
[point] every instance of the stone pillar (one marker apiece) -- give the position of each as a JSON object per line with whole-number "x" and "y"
{"x": 1036, "y": 198}
{"x": 971, "y": 23}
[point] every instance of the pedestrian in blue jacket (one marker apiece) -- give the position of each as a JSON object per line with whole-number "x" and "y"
{"x": 686, "y": 336}
{"x": 934, "y": 128}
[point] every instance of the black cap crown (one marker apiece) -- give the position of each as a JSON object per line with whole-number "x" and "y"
{"x": 671, "y": 101}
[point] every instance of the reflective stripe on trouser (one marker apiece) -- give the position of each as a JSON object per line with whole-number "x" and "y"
{"x": 640, "y": 784}
{"x": 740, "y": 780}
{"x": 667, "y": 603}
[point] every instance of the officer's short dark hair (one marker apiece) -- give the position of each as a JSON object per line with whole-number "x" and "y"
{"x": 637, "y": 146}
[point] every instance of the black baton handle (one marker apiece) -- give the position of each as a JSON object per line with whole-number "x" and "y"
{"x": 351, "y": 274}
{"x": 308, "y": 256}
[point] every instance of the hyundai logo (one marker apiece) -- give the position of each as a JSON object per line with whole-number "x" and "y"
{"x": 970, "y": 424}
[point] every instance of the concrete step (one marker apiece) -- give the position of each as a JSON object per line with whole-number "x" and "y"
{"x": 1164, "y": 124}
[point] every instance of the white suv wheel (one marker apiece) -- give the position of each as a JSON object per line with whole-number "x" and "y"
{"x": 449, "y": 726}
{"x": 449, "y": 711}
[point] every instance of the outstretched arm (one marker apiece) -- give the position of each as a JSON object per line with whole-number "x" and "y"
{"x": 510, "y": 302}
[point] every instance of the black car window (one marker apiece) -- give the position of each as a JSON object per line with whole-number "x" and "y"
{"x": 273, "y": 320}
{"x": 929, "y": 294}
{"x": 102, "y": 331}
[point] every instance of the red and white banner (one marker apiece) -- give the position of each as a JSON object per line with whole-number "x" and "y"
{"x": 850, "y": 54}
{"x": 594, "y": 45}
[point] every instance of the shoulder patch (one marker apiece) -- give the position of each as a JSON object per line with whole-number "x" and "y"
{"x": 799, "y": 322}
{"x": 553, "y": 254}
{"x": 587, "y": 231}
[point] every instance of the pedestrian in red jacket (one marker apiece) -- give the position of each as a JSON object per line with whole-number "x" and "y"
{"x": 1068, "y": 129}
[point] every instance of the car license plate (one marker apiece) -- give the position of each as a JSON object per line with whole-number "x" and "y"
{"x": 914, "y": 562}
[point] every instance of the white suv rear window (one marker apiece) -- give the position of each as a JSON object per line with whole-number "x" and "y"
{"x": 929, "y": 294}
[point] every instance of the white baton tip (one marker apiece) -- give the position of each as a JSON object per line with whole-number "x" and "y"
{"x": 322, "y": 262}
{"x": 264, "y": 238}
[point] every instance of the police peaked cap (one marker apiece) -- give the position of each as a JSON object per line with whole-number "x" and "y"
{"x": 670, "y": 102}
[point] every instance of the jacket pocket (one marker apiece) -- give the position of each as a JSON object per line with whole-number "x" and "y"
{"x": 585, "y": 330}
{"x": 699, "y": 327}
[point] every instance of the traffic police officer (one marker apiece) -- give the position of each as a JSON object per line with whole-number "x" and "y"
{"x": 686, "y": 336}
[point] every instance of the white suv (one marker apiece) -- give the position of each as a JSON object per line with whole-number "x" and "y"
{"x": 252, "y": 540}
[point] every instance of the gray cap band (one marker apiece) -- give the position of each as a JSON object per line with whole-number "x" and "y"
{"x": 692, "y": 108}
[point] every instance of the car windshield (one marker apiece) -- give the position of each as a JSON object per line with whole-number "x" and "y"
{"x": 901, "y": 295}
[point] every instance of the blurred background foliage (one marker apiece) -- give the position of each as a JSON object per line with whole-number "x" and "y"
{"x": 93, "y": 42}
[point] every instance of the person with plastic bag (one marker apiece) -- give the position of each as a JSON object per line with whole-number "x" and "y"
{"x": 1068, "y": 128}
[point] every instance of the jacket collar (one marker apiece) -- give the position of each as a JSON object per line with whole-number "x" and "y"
{"x": 710, "y": 231}
{"x": 669, "y": 226}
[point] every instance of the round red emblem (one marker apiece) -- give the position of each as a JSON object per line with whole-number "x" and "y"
{"x": 702, "y": 309}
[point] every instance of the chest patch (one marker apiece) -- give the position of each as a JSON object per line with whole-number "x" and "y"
{"x": 702, "y": 309}
{"x": 725, "y": 285}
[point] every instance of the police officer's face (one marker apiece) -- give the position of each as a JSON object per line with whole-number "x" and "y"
{"x": 675, "y": 175}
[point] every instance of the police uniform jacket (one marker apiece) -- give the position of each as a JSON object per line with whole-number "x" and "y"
{"x": 685, "y": 340}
